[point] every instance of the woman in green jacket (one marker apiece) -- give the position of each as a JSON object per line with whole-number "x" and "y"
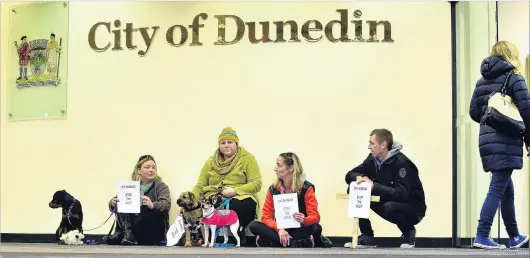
{"x": 234, "y": 173}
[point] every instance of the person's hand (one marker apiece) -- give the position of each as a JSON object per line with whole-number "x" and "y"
{"x": 228, "y": 192}
{"x": 146, "y": 201}
{"x": 113, "y": 202}
{"x": 299, "y": 217}
{"x": 285, "y": 238}
{"x": 366, "y": 179}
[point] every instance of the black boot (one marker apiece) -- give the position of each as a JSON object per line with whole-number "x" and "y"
{"x": 114, "y": 239}
{"x": 128, "y": 235}
{"x": 128, "y": 238}
{"x": 124, "y": 227}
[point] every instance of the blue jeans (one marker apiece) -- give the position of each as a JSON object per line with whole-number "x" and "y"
{"x": 501, "y": 189}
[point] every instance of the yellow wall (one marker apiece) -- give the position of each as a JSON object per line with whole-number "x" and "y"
{"x": 319, "y": 100}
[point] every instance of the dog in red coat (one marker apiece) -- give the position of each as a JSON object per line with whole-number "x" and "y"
{"x": 222, "y": 219}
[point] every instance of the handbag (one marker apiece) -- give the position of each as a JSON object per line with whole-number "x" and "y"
{"x": 502, "y": 113}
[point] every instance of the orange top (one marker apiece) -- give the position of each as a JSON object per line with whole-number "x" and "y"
{"x": 267, "y": 215}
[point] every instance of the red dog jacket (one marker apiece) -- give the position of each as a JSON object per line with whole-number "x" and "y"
{"x": 221, "y": 218}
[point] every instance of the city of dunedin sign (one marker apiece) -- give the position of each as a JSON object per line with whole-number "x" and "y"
{"x": 310, "y": 31}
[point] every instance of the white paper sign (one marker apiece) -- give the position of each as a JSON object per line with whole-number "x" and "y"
{"x": 129, "y": 196}
{"x": 285, "y": 205}
{"x": 359, "y": 201}
{"x": 175, "y": 232}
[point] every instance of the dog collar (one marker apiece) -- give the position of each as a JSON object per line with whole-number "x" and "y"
{"x": 206, "y": 215}
{"x": 196, "y": 207}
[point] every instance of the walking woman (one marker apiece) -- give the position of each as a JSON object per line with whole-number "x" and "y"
{"x": 500, "y": 153}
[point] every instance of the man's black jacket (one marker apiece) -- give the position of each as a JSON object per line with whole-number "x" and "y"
{"x": 395, "y": 180}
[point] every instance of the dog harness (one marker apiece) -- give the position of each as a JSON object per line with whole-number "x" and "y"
{"x": 69, "y": 214}
{"x": 221, "y": 218}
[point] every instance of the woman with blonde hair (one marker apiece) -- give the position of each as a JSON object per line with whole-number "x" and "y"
{"x": 148, "y": 227}
{"x": 500, "y": 152}
{"x": 290, "y": 179}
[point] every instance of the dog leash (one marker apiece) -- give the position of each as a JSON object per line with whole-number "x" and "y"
{"x": 69, "y": 214}
{"x": 111, "y": 213}
{"x": 225, "y": 204}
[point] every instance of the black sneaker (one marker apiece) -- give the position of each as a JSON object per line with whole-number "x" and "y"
{"x": 306, "y": 242}
{"x": 408, "y": 239}
{"x": 366, "y": 241}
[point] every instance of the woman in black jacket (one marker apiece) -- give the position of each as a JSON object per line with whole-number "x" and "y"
{"x": 500, "y": 153}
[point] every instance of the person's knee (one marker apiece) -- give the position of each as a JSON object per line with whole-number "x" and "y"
{"x": 254, "y": 227}
{"x": 508, "y": 197}
{"x": 389, "y": 207}
{"x": 389, "y": 210}
{"x": 316, "y": 229}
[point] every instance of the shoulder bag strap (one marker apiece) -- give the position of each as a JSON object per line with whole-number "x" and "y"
{"x": 503, "y": 89}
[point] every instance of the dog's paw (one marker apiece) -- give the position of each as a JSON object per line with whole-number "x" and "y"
{"x": 187, "y": 244}
{"x": 205, "y": 245}
{"x": 212, "y": 244}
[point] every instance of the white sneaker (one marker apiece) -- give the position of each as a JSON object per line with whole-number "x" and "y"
{"x": 407, "y": 246}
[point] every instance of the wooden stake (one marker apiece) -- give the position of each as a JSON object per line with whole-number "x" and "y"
{"x": 355, "y": 234}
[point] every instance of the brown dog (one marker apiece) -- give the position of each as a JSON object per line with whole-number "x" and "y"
{"x": 192, "y": 214}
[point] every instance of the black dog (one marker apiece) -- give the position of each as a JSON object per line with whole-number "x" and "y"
{"x": 72, "y": 214}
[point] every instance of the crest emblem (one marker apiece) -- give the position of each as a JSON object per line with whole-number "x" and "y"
{"x": 402, "y": 172}
{"x": 37, "y": 56}
{"x": 41, "y": 57}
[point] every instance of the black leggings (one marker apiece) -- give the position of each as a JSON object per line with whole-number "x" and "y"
{"x": 270, "y": 237}
{"x": 245, "y": 210}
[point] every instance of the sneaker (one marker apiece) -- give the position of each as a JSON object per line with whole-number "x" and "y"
{"x": 408, "y": 239}
{"x": 486, "y": 243}
{"x": 307, "y": 242}
{"x": 518, "y": 241}
{"x": 366, "y": 241}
